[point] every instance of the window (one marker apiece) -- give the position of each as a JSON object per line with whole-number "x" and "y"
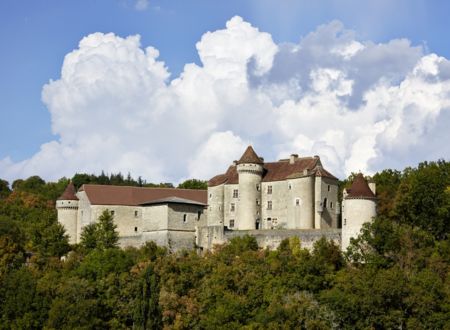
{"x": 112, "y": 212}
{"x": 257, "y": 202}
{"x": 199, "y": 213}
{"x": 269, "y": 190}
{"x": 269, "y": 205}
{"x": 258, "y": 186}
{"x": 297, "y": 202}
{"x": 324, "y": 203}
{"x": 210, "y": 195}
{"x": 135, "y": 229}
{"x": 328, "y": 187}
{"x": 289, "y": 186}
{"x": 345, "y": 222}
{"x": 331, "y": 205}
{"x": 232, "y": 223}
{"x": 135, "y": 214}
{"x": 235, "y": 193}
{"x": 232, "y": 207}
{"x": 185, "y": 218}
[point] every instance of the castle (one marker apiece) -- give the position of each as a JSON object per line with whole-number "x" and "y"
{"x": 271, "y": 201}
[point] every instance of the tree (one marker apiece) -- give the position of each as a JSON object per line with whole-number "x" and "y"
{"x": 193, "y": 184}
{"x": 101, "y": 235}
{"x": 148, "y": 313}
{"x": 423, "y": 199}
{"x": 4, "y": 189}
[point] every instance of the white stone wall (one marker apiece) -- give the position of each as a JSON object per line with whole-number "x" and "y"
{"x": 185, "y": 217}
{"x": 228, "y": 214}
{"x": 210, "y": 236}
{"x": 84, "y": 213}
{"x": 279, "y": 198}
{"x": 248, "y": 211}
{"x": 329, "y": 190}
{"x": 356, "y": 212}
{"x": 68, "y": 217}
{"x": 215, "y": 215}
{"x": 155, "y": 217}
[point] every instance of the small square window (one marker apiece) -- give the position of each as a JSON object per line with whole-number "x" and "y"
{"x": 231, "y": 223}
{"x": 297, "y": 202}
{"x": 135, "y": 229}
{"x": 235, "y": 193}
{"x": 135, "y": 214}
{"x": 289, "y": 186}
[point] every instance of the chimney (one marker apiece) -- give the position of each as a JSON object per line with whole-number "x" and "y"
{"x": 293, "y": 158}
{"x": 235, "y": 162}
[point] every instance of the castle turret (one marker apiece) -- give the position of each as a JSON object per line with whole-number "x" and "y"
{"x": 358, "y": 207}
{"x": 67, "y": 207}
{"x": 250, "y": 170}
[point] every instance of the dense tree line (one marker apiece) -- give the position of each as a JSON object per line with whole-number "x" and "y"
{"x": 394, "y": 275}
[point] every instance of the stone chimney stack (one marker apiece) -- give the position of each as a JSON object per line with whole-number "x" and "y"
{"x": 293, "y": 158}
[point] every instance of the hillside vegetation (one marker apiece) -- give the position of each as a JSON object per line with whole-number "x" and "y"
{"x": 394, "y": 275}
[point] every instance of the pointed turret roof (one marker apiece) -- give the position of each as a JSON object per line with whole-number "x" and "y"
{"x": 360, "y": 189}
{"x": 250, "y": 157}
{"x": 69, "y": 194}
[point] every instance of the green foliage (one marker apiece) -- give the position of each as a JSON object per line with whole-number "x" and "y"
{"x": 193, "y": 184}
{"x": 423, "y": 199}
{"x": 4, "y": 189}
{"x": 102, "y": 234}
{"x": 99, "y": 263}
{"x": 114, "y": 179}
{"x": 148, "y": 313}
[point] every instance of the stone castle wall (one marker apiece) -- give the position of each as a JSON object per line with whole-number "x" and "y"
{"x": 207, "y": 237}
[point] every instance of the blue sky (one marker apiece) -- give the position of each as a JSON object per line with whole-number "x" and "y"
{"x": 37, "y": 34}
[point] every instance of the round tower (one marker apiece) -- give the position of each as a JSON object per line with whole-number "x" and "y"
{"x": 358, "y": 207}
{"x": 67, "y": 207}
{"x": 250, "y": 169}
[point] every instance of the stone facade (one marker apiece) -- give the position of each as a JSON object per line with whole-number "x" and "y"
{"x": 169, "y": 221}
{"x": 272, "y": 201}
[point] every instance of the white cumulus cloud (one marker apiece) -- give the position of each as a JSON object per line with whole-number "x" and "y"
{"x": 360, "y": 105}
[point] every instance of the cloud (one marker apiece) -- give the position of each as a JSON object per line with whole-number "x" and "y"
{"x": 361, "y": 106}
{"x": 141, "y": 4}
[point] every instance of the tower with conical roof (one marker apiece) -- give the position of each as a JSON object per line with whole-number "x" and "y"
{"x": 358, "y": 207}
{"x": 67, "y": 207}
{"x": 250, "y": 169}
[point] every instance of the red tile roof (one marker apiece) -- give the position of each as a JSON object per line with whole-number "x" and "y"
{"x": 278, "y": 171}
{"x": 133, "y": 196}
{"x": 69, "y": 193}
{"x": 250, "y": 157}
{"x": 360, "y": 189}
